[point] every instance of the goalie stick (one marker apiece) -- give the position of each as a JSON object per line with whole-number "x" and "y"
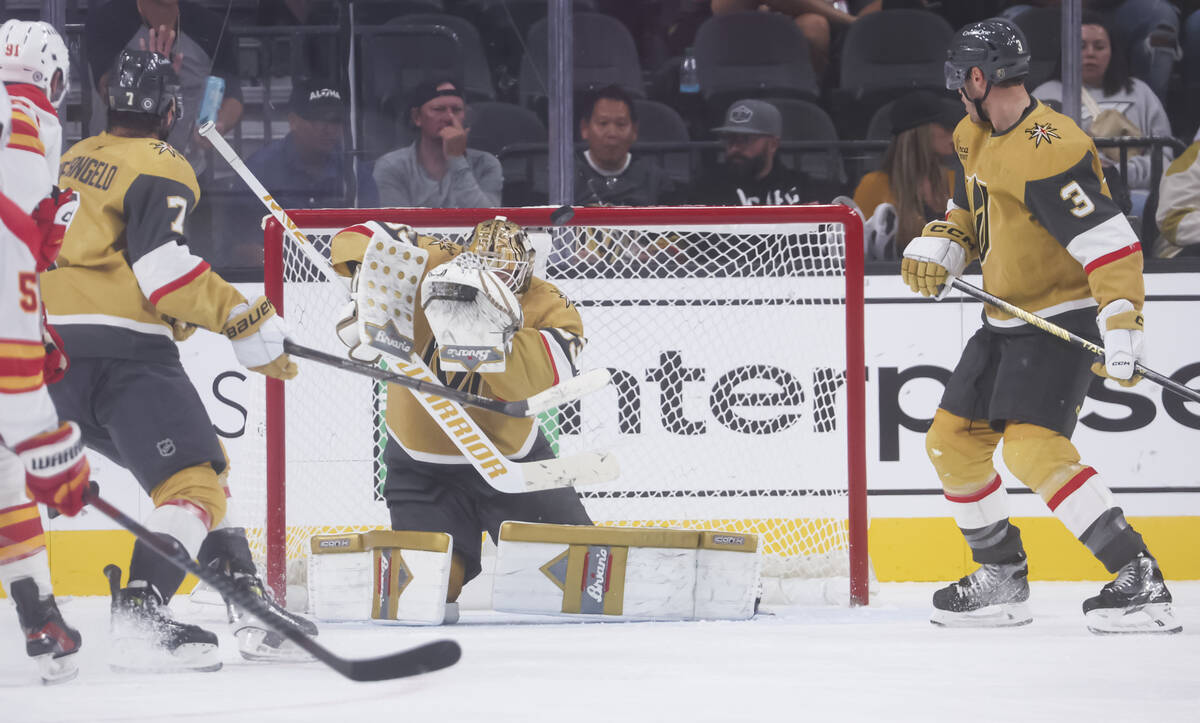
{"x": 424, "y": 658}
{"x": 495, "y": 469}
{"x": 1050, "y": 327}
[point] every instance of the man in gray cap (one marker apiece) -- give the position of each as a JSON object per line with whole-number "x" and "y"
{"x": 751, "y": 175}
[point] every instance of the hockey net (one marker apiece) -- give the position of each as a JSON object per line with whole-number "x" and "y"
{"x": 728, "y": 330}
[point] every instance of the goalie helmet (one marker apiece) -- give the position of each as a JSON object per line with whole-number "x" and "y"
{"x": 506, "y": 251}
{"x": 33, "y": 53}
{"x": 145, "y": 82}
{"x": 995, "y": 46}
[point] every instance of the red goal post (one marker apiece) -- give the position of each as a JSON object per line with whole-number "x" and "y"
{"x": 740, "y": 322}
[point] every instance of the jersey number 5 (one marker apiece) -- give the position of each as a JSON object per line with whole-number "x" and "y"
{"x": 27, "y": 284}
{"x": 1081, "y": 205}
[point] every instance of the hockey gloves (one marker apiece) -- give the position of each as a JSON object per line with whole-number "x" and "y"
{"x": 56, "y": 363}
{"x": 1122, "y": 328}
{"x": 56, "y": 469}
{"x": 935, "y": 258}
{"x": 472, "y": 313}
{"x": 53, "y": 216}
{"x": 258, "y": 335}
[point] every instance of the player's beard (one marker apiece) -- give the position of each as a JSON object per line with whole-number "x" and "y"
{"x": 745, "y": 168}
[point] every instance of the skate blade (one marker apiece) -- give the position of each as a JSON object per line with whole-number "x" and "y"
{"x": 135, "y": 656}
{"x": 1006, "y": 615}
{"x": 56, "y": 670}
{"x": 1152, "y": 619}
{"x": 267, "y": 646}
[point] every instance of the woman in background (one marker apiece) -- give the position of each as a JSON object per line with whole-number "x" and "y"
{"x": 914, "y": 184}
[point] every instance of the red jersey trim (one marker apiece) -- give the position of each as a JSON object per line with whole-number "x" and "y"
{"x": 1065, "y": 491}
{"x": 992, "y": 487}
{"x": 178, "y": 283}
{"x": 1113, "y": 256}
{"x": 33, "y": 94}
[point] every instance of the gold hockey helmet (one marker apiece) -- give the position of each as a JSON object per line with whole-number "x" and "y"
{"x": 506, "y": 251}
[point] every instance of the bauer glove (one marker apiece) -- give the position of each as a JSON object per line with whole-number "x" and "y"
{"x": 934, "y": 258}
{"x": 56, "y": 468}
{"x": 258, "y": 335}
{"x": 1121, "y": 326}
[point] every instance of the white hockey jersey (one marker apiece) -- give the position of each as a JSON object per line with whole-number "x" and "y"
{"x": 30, "y": 162}
{"x": 25, "y": 405}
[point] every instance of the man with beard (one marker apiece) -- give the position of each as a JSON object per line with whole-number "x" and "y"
{"x": 751, "y": 175}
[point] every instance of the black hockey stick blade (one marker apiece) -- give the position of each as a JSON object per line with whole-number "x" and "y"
{"x": 413, "y": 661}
{"x": 557, "y": 395}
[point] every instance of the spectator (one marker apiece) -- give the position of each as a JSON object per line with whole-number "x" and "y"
{"x": 751, "y": 174}
{"x": 1106, "y": 79}
{"x": 438, "y": 170}
{"x": 1178, "y": 213}
{"x": 607, "y": 174}
{"x": 307, "y": 168}
{"x": 914, "y": 184}
{"x": 196, "y": 39}
{"x": 815, "y": 18}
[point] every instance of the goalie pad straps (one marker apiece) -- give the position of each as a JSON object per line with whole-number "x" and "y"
{"x": 381, "y": 576}
{"x": 626, "y": 573}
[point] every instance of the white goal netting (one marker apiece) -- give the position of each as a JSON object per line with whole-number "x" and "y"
{"x": 727, "y": 334}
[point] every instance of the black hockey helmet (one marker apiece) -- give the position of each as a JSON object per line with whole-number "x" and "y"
{"x": 144, "y": 82}
{"x": 995, "y": 46}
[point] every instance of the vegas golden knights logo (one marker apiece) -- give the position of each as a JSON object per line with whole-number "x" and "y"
{"x": 979, "y": 206}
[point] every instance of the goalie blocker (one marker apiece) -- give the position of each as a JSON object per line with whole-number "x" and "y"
{"x": 569, "y": 570}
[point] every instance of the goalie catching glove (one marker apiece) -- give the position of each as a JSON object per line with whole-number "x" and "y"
{"x": 257, "y": 335}
{"x": 1121, "y": 325}
{"x": 936, "y": 257}
{"x": 472, "y": 313}
{"x": 56, "y": 468}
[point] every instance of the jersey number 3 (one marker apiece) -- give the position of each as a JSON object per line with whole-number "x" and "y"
{"x": 1081, "y": 205}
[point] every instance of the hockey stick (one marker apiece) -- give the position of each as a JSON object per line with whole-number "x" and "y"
{"x": 471, "y": 441}
{"x": 1049, "y": 327}
{"x": 423, "y": 658}
{"x": 555, "y": 396}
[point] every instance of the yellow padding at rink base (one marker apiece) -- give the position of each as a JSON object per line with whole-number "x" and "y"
{"x": 916, "y": 549}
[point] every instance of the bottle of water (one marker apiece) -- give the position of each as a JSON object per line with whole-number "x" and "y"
{"x": 689, "y": 77}
{"x": 214, "y": 93}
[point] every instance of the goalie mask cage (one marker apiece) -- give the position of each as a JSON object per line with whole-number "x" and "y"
{"x": 729, "y": 332}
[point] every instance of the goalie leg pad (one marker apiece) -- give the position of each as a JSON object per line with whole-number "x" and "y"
{"x": 381, "y": 576}
{"x": 625, "y": 573}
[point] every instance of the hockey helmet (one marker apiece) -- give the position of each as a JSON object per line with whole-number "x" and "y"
{"x": 33, "y": 53}
{"x": 996, "y": 46}
{"x": 506, "y": 250}
{"x": 145, "y": 82}
{"x": 5, "y": 117}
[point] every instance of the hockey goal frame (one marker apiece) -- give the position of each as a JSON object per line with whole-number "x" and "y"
{"x": 855, "y": 383}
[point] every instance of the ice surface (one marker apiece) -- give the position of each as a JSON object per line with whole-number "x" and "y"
{"x": 881, "y": 664}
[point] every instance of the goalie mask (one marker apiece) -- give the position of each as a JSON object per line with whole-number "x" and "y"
{"x": 505, "y": 251}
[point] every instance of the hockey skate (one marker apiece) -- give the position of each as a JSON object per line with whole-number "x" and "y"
{"x": 994, "y": 596}
{"x": 257, "y": 641}
{"x": 146, "y": 640}
{"x": 48, "y": 639}
{"x": 1136, "y": 602}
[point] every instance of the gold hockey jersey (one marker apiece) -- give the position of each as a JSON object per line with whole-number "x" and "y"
{"x": 125, "y": 262}
{"x": 1040, "y": 218}
{"x": 543, "y": 353}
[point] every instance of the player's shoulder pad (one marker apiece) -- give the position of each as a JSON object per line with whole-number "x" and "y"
{"x": 349, "y": 246}
{"x": 26, "y": 131}
{"x": 1052, "y": 142}
{"x": 152, "y": 157}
